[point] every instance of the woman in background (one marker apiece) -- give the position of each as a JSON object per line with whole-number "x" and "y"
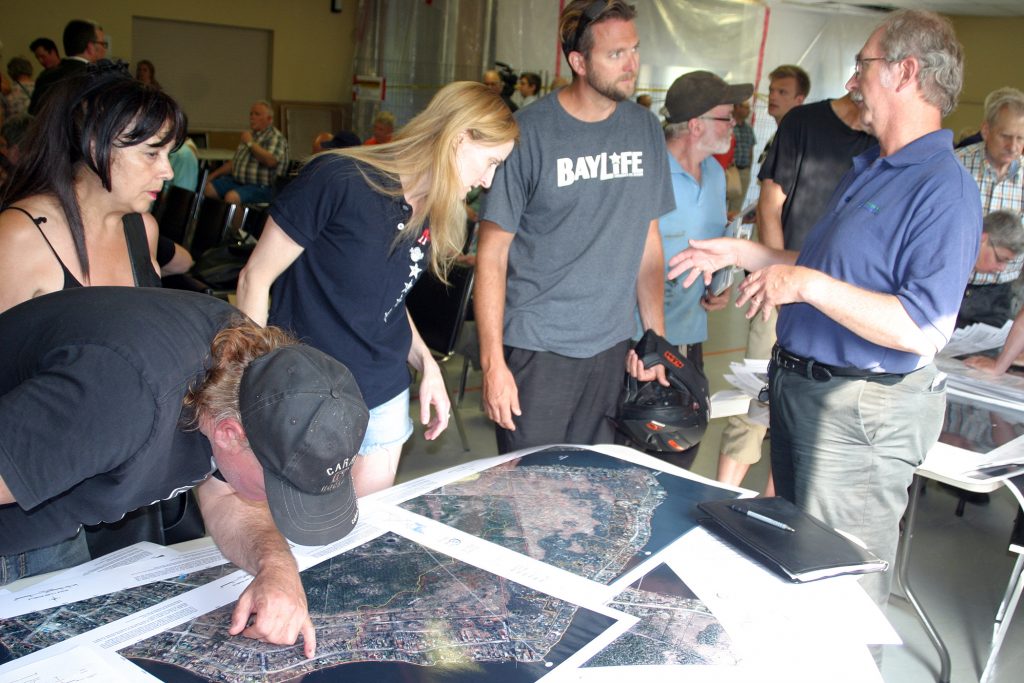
{"x": 348, "y": 239}
{"x": 145, "y": 72}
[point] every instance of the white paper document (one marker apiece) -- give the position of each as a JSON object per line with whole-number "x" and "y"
{"x": 1005, "y": 390}
{"x": 750, "y": 376}
{"x": 135, "y": 565}
{"x": 84, "y": 664}
{"x": 975, "y": 338}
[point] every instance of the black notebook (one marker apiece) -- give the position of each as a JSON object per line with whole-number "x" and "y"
{"x": 786, "y": 539}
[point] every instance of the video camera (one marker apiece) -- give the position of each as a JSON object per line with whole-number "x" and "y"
{"x": 509, "y": 78}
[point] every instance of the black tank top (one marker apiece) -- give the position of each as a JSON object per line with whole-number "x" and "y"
{"x": 138, "y": 251}
{"x": 70, "y": 281}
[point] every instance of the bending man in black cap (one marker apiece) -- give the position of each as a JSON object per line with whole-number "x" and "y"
{"x": 114, "y": 397}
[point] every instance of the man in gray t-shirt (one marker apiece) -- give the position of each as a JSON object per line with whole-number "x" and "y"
{"x": 569, "y": 243}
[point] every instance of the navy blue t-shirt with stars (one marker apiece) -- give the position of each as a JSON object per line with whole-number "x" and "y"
{"x": 345, "y": 294}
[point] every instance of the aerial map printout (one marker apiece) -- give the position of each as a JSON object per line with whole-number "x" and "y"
{"x": 586, "y": 512}
{"x": 392, "y": 608}
{"x": 675, "y": 627}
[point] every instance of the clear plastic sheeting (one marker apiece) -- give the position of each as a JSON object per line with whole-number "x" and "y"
{"x": 418, "y": 46}
{"x": 823, "y": 43}
{"x": 676, "y": 36}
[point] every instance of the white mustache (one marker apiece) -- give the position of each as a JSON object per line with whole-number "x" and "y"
{"x": 857, "y": 97}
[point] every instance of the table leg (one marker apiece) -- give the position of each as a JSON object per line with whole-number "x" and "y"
{"x": 1004, "y": 615}
{"x": 903, "y": 578}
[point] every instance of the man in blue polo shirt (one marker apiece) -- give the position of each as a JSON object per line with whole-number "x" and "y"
{"x": 856, "y": 401}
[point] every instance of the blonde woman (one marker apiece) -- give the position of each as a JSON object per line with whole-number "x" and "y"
{"x": 348, "y": 239}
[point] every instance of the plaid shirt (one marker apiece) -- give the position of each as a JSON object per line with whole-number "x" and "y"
{"x": 996, "y": 195}
{"x": 248, "y": 170}
{"x": 745, "y": 142}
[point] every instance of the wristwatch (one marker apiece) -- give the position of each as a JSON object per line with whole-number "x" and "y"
{"x": 249, "y": 144}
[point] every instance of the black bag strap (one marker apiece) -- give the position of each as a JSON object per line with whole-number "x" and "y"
{"x": 138, "y": 251}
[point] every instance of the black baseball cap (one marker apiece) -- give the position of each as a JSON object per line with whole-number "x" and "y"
{"x": 698, "y": 92}
{"x": 305, "y": 419}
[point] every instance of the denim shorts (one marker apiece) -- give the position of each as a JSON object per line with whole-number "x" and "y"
{"x": 249, "y": 194}
{"x": 390, "y": 425}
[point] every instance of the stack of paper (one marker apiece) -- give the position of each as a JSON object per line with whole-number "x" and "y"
{"x": 976, "y": 338}
{"x": 1005, "y": 389}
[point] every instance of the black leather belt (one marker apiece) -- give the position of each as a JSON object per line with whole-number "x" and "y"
{"x": 812, "y": 369}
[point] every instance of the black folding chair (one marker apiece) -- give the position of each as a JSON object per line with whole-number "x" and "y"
{"x": 439, "y": 312}
{"x": 175, "y": 212}
{"x": 211, "y": 226}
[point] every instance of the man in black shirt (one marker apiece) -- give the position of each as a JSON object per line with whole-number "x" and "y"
{"x": 114, "y": 397}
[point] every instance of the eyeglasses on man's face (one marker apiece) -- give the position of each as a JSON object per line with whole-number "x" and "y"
{"x": 859, "y": 62}
{"x": 1000, "y": 258}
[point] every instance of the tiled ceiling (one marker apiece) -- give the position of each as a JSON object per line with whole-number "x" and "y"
{"x": 991, "y": 8}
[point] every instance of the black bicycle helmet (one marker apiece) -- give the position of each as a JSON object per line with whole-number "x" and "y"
{"x": 659, "y": 418}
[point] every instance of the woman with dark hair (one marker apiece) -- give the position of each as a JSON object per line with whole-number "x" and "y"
{"x": 145, "y": 72}
{"x": 349, "y": 237}
{"x": 74, "y": 211}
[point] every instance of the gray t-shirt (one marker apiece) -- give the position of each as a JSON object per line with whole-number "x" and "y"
{"x": 579, "y": 197}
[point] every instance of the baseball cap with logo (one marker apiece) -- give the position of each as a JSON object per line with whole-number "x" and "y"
{"x": 698, "y": 92}
{"x": 305, "y": 418}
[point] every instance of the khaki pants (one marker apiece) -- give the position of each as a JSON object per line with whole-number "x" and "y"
{"x": 733, "y": 190}
{"x": 741, "y": 438}
{"x": 744, "y": 184}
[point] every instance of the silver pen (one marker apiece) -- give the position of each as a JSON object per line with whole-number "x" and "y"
{"x": 762, "y": 518}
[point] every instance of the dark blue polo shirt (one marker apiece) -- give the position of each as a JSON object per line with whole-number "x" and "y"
{"x": 345, "y": 294}
{"x": 909, "y": 225}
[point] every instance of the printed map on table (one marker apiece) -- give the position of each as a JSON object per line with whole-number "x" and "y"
{"x": 675, "y": 627}
{"x": 389, "y": 609}
{"x": 27, "y": 633}
{"x": 588, "y": 513}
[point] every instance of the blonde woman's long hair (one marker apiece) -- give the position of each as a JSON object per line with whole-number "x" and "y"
{"x": 424, "y": 151}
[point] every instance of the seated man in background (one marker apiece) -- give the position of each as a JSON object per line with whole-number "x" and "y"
{"x": 156, "y": 391}
{"x": 262, "y": 155}
{"x": 340, "y": 140}
{"x": 1002, "y": 242}
{"x": 996, "y": 165}
{"x": 383, "y": 128}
